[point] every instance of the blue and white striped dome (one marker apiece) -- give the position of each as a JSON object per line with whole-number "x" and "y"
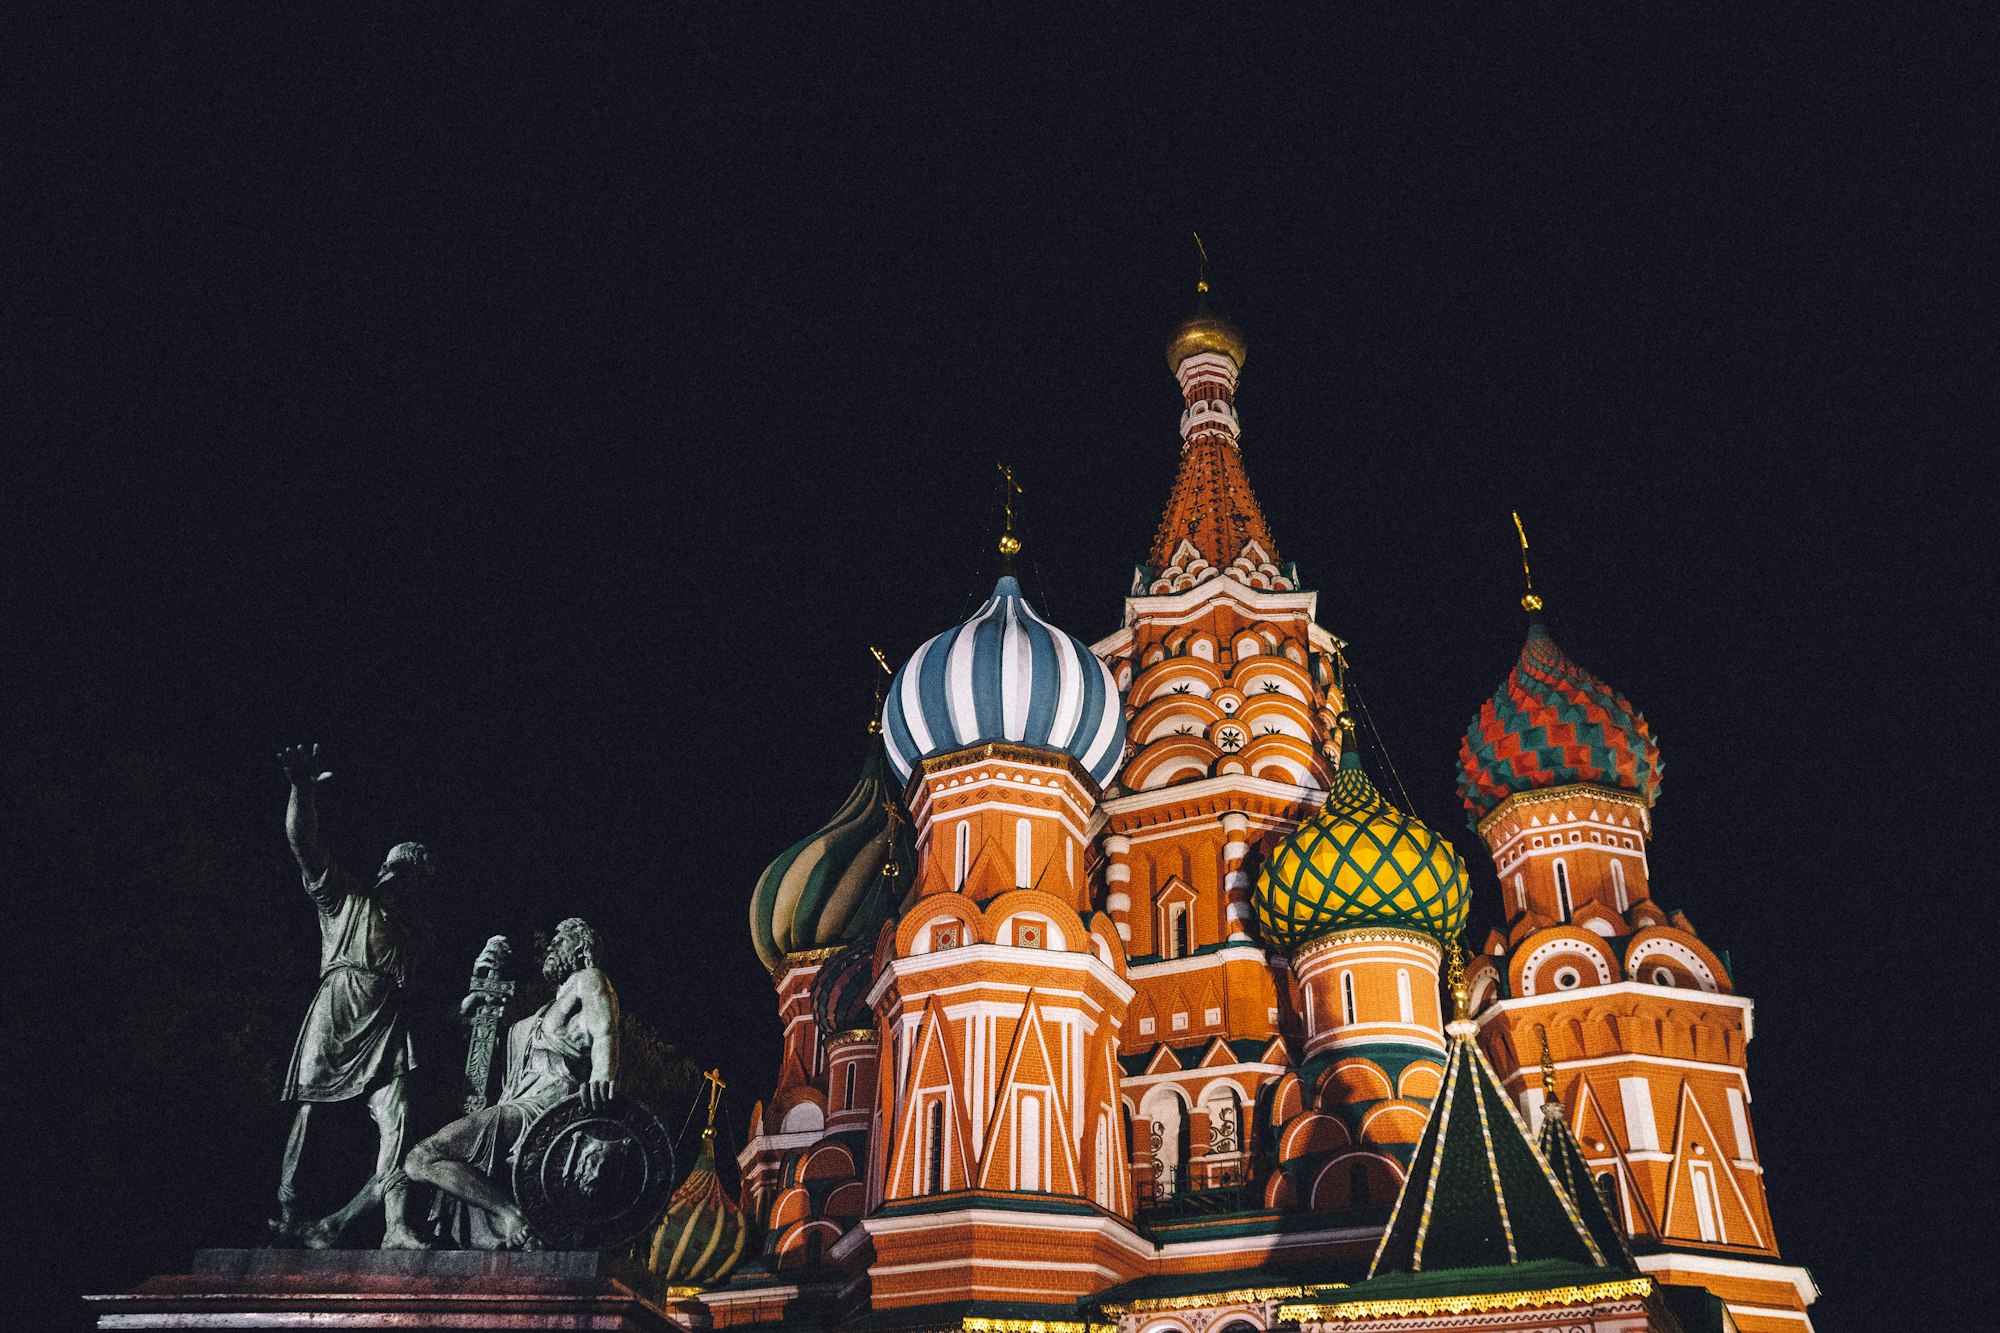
{"x": 1005, "y": 675}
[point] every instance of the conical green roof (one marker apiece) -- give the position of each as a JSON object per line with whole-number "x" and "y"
{"x": 1565, "y": 1159}
{"x": 1479, "y": 1192}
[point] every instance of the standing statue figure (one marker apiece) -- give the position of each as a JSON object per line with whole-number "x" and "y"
{"x": 354, "y": 1041}
{"x": 569, "y": 1045}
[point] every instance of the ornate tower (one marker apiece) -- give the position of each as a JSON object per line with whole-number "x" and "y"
{"x": 1559, "y": 775}
{"x": 1230, "y": 690}
{"x": 1000, "y": 995}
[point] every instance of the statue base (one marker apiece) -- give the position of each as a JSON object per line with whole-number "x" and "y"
{"x": 403, "y": 1289}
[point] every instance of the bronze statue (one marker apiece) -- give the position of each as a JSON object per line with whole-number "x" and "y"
{"x": 569, "y": 1046}
{"x": 354, "y": 1041}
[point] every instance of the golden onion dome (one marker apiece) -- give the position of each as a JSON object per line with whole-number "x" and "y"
{"x": 1205, "y": 331}
{"x": 1360, "y": 862}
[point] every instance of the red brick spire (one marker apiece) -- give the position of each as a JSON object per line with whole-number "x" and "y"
{"x": 1213, "y": 522}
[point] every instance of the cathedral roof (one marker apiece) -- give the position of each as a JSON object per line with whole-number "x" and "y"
{"x": 1553, "y": 724}
{"x": 829, "y": 888}
{"x": 1360, "y": 861}
{"x": 1565, "y": 1158}
{"x": 1005, "y": 675}
{"x": 840, "y": 991}
{"x": 1479, "y": 1192}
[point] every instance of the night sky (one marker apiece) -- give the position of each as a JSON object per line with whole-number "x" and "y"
{"x": 545, "y": 410}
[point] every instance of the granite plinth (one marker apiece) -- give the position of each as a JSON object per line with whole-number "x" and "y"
{"x": 402, "y": 1289}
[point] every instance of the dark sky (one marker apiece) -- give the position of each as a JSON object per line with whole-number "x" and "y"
{"x": 544, "y": 411}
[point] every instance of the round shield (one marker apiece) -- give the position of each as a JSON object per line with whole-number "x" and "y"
{"x": 594, "y": 1180}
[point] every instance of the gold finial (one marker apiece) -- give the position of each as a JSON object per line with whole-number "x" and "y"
{"x": 1454, "y": 976}
{"x": 1201, "y": 280}
{"x": 1529, "y": 603}
{"x": 881, "y": 661}
{"x": 1345, "y": 723}
{"x": 1010, "y": 545}
{"x": 1548, "y": 1065}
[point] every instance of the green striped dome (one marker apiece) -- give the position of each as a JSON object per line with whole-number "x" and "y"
{"x": 1360, "y": 862}
{"x": 828, "y": 889}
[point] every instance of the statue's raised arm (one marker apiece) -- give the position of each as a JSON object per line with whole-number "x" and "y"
{"x": 301, "y": 765}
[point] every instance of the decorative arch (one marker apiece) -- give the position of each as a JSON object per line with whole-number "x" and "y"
{"x": 1540, "y": 961}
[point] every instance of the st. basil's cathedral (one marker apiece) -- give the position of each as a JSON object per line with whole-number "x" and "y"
{"x": 1118, "y": 993}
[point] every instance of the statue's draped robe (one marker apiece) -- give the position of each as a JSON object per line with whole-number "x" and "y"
{"x": 354, "y": 1037}
{"x": 542, "y": 1069}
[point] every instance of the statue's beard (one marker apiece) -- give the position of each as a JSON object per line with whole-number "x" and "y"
{"x": 559, "y": 964}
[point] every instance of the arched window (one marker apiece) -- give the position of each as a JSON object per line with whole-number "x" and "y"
{"x": 1347, "y": 996}
{"x": 1024, "y": 842}
{"x": 1357, "y": 1183}
{"x": 1707, "y": 1216}
{"x": 1618, "y": 882}
{"x": 1520, "y": 893}
{"x": 1030, "y": 1156}
{"x": 1562, "y": 890}
{"x": 1607, "y": 1190}
{"x": 1405, "y": 1003}
{"x": 934, "y": 1159}
{"x": 964, "y": 851}
{"x": 1177, "y": 931}
{"x": 848, "y": 1104}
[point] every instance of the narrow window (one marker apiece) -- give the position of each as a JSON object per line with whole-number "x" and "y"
{"x": 1618, "y": 882}
{"x": 1607, "y": 1190}
{"x": 1562, "y": 890}
{"x": 1024, "y": 842}
{"x": 1357, "y": 1183}
{"x": 964, "y": 851}
{"x": 1739, "y": 1120}
{"x": 1403, "y": 1000}
{"x": 1705, "y": 1212}
{"x": 1347, "y": 996}
{"x": 1177, "y": 931}
{"x": 848, "y": 1104}
{"x": 1642, "y": 1132}
{"x": 934, "y": 1165}
{"x": 1520, "y": 893}
{"x": 1030, "y": 1156}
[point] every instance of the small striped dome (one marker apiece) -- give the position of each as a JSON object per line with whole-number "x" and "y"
{"x": 1360, "y": 862}
{"x": 1552, "y": 724}
{"x": 828, "y": 888}
{"x": 1005, "y": 675}
{"x": 703, "y": 1235}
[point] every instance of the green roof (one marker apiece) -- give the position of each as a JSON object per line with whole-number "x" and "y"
{"x": 1565, "y": 1159}
{"x": 1478, "y": 1193}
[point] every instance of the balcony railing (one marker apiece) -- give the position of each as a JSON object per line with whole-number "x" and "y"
{"x": 1225, "y": 1191}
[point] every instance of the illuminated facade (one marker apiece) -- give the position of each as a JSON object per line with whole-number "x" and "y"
{"x": 1112, "y": 994}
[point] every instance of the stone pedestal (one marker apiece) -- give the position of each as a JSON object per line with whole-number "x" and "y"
{"x": 439, "y": 1289}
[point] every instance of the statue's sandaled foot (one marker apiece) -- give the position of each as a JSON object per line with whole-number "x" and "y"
{"x": 512, "y": 1231}
{"x": 284, "y": 1230}
{"x": 402, "y": 1238}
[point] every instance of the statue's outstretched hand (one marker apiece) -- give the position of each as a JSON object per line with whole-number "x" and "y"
{"x": 597, "y": 1094}
{"x": 301, "y": 765}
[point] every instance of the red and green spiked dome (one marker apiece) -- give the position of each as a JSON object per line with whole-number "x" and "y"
{"x": 1553, "y": 724}
{"x": 1360, "y": 862}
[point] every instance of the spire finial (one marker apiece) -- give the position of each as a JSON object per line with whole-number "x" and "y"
{"x": 891, "y": 868}
{"x": 1454, "y": 976}
{"x": 1548, "y": 1064}
{"x": 1201, "y": 279}
{"x": 1010, "y": 545}
{"x": 875, "y": 718}
{"x": 713, "y": 1078}
{"x": 1530, "y": 602}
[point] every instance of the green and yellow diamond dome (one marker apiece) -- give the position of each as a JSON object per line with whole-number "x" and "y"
{"x": 1360, "y": 862}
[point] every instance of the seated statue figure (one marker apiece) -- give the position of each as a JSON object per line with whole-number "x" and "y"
{"x": 568, "y": 1046}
